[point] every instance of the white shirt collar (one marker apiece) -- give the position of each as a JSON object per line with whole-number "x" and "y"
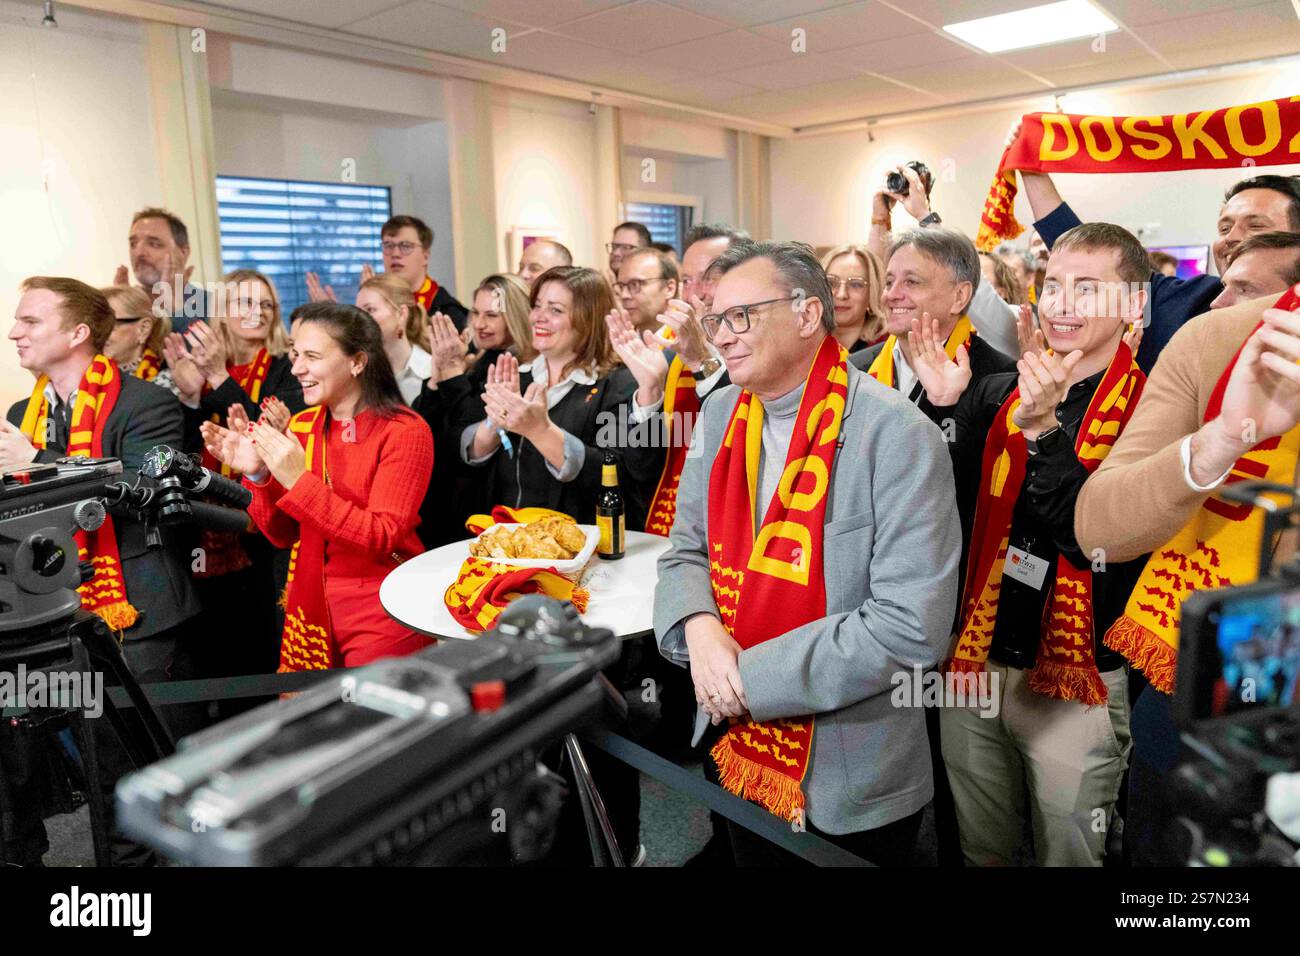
{"x": 541, "y": 374}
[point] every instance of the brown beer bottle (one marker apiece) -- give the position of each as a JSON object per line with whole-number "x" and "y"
{"x": 609, "y": 512}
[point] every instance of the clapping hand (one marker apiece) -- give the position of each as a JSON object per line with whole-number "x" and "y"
{"x": 208, "y": 349}
{"x": 684, "y": 319}
{"x": 450, "y": 348}
{"x": 642, "y": 356}
{"x": 1044, "y": 382}
{"x": 15, "y": 447}
{"x": 321, "y": 293}
{"x": 185, "y": 373}
{"x": 232, "y": 446}
{"x": 283, "y": 454}
{"x": 943, "y": 379}
{"x": 274, "y": 412}
{"x": 1028, "y": 336}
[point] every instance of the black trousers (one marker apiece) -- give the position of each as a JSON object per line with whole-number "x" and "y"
{"x": 892, "y": 845}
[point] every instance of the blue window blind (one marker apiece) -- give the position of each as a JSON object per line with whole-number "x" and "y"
{"x": 666, "y": 222}
{"x": 285, "y": 228}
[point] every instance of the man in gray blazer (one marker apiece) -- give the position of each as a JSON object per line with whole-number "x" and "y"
{"x": 891, "y": 543}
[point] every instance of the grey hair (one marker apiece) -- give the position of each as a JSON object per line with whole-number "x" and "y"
{"x": 795, "y": 263}
{"x": 949, "y": 248}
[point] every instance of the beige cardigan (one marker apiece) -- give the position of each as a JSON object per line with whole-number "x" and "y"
{"x": 1138, "y": 499}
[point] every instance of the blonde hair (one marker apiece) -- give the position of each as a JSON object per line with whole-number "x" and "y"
{"x": 396, "y": 291}
{"x": 511, "y": 293}
{"x": 136, "y": 301}
{"x": 874, "y": 326}
{"x": 277, "y": 338}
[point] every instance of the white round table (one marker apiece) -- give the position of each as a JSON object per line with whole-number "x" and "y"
{"x": 622, "y": 591}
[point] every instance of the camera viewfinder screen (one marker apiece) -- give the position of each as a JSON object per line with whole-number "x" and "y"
{"x": 1259, "y": 646}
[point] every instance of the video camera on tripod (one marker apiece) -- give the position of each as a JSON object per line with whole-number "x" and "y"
{"x": 43, "y": 626}
{"x": 42, "y": 506}
{"x": 1237, "y": 706}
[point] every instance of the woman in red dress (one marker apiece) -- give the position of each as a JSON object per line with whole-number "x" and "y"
{"x": 343, "y": 486}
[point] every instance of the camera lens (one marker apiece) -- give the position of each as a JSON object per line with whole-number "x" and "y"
{"x": 896, "y": 183}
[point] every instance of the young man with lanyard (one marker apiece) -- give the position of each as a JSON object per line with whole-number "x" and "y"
{"x": 795, "y": 588}
{"x": 82, "y": 405}
{"x": 1222, "y": 406}
{"x": 1034, "y": 604}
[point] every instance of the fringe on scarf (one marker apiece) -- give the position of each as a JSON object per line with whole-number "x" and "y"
{"x": 119, "y": 615}
{"x": 1064, "y": 682}
{"x": 1146, "y": 651}
{"x": 777, "y": 793}
{"x": 580, "y": 597}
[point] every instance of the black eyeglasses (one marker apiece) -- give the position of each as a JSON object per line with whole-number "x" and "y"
{"x": 405, "y": 248}
{"x": 633, "y": 286}
{"x": 622, "y": 247}
{"x": 737, "y": 318}
{"x": 129, "y": 318}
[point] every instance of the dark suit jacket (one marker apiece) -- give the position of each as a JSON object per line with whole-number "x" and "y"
{"x": 280, "y": 382}
{"x": 963, "y": 449}
{"x": 157, "y": 580}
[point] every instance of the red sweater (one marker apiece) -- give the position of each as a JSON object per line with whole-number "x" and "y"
{"x": 370, "y": 509}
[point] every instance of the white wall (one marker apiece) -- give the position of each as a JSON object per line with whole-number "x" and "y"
{"x": 689, "y": 159}
{"x": 822, "y": 186}
{"x": 78, "y": 148}
{"x": 284, "y": 114}
{"x": 298, "y": 143}
{"x": 545, "y": 171}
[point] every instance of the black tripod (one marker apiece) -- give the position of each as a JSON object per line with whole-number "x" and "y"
{"x": 85, "y": 645}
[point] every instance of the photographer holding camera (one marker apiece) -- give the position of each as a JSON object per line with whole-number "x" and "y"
{"x": 83, "y": 406}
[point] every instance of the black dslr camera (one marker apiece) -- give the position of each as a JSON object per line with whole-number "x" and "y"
{"x": 896, "y": 182}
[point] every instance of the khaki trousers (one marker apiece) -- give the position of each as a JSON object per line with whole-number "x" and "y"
{"x": 1060, "y": 761}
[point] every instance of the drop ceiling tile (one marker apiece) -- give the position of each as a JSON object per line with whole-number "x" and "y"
{"x": 317, "y": 13}
{"x": 1138, "y": 12}
{"x": 971, "y": 78}
{"x": 438, "y": 28}
{"x": 1265, "y": 23}
{"x": 560, "y": 56}
{"x": 803, "y": 70}
{"x": 637, "y": 27}
{"x": 725, "y": 52}
{"x": 707, "y": 92}
{"x": 744, "y": 13}
{"x": 1105, "y": 71}
{"x": 850, "y": 25}
{"x": 830, "y": 102}
{"x": 915, "y": 51}
{"x": 941, "y": 12}
{"x": 533, "y": 13}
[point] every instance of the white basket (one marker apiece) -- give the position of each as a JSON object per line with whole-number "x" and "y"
{"x": 572, "y": 566}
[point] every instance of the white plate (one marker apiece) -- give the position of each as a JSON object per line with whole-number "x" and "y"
{"x": 564, "y": 567}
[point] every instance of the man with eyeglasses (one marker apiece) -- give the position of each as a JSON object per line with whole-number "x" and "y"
{"x": 627, "y": 236}
{"x": 405, "y": 244}
{"x": 796, "y": 588}
{"x": 647, "y": 279}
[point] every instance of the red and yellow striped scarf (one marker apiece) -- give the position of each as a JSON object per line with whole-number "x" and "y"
{"x": 680, "y": 399}
{"x": 105, "y": 593}
{"x": 770, "y": 579}
{"x": 483, "y": 589}
{"x": 1066, "y": 666}
{"x": 222, "y": 551}
{"x": 149, "y": 365}
{"x": 1217, "y": 548}
{"x": 307, "y": 643}
{"x": 882, "y": 367}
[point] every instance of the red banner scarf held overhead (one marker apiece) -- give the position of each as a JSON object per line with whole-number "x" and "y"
{"x": 97, "y": 394}
{"x": 1066, "y": 666}
{"x": 1257, "y": 134}
{"x": 307, "y": 642}
{"x": 770, "y": 580}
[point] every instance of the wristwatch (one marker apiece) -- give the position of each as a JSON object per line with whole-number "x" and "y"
{"x": 707, "y": 368}
{"x": 930, "y": 220}
{"x": 1044, "y": 441}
